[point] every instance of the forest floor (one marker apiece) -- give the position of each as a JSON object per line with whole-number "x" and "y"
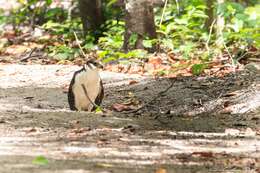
{"x": 179, "y": 125}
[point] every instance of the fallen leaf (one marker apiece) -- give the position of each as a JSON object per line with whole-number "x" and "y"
{"x": 203, "y": 154}
{"x": 132, "y": 82}
{"x": 156, "y": 61}
{"x": 230, "y": 94}
{"x": 81, "y": 130}
{"x": 40, "y": 160}
{"x": 121, "y": 107}
{"x": 30, "y": 130}
{"x": 29, "y": 97}
{"x": 161, "y": 170}
{"x": 16, "y": 49}
{"x": 9, "y": 35}
{"x": 105, "y": 165}
{"x": 98, "y": 110}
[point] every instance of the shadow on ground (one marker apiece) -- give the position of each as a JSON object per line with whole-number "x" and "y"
{"x": 197, "y": 125}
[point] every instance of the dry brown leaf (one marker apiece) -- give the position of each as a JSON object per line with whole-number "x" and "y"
{"x": 16, "y": 49}
{"x": 161, "y": 170}
{"x": 230, "y": 94}
{"x": 132, "y": 82}
{"x": 121, "y": 107}
{"x": 30, "y": 130}
{"x": 9, "y": 35}
{"x": 81, "y": 130}
{"x": 203, "y": 154}
{"x": 156, "y": 61}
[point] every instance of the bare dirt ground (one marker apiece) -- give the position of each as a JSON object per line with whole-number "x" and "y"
{"x": 184, "y": 125}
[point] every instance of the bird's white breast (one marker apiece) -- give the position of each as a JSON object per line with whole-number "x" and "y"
{"x": 91, "y": 80}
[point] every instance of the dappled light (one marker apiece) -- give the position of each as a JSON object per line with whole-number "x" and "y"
{"x": 129, "y": 86}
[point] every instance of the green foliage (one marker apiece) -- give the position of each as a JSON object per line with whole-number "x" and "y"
{"x": 110, "y": 11}
{"x": 63, "y": 52}
{"x": 197, "y": 69}
{"x": 113, "y": 38}
{"x": 242, "y": 24}
{"x": 64, "y": 29}
{"x": 98, "y": 110}
{"x": 182, "y": 30}
{"x": 108, "y": 55}
{"x": 40, "y": 160}
{"x": 35, "y": 12}
{"x": 112, "y": 42}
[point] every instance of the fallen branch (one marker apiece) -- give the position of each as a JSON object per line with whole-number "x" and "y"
{"x": 28, "y": 56}
{"x": 148, "y": 103}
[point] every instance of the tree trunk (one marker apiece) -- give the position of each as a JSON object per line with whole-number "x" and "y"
{"x": 210, "y": 14}
{"x": 91, "y": 16}
{"x": 139, "y": 20}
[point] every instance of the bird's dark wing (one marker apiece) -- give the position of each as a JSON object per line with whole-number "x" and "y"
{"x": 71, "y": 97}
{"x": 100, "y": 96}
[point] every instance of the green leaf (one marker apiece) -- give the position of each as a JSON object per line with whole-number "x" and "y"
{"x": 183, "y": 21}
{"x": 40, "y": 160}
{"x": 109, "y": 59}
{"x": 168, "y": 43}
{"x": 89, "y": 46}
{"x": 48, "y": 2}
{"x": 102, "y": 54}
{"x": 133, "y": 38}
{"x": 197, "y": 69}
{"x": 253, "y": 12}
{"x": 98, "y": 110}
{"x": 148, "y": 43}
{"x": 137, "y": 53}
{"x": 111, "y": 2}
{"x": 63, "y": 56}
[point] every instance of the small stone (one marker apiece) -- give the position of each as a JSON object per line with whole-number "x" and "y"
{"x": 232, "y": 132}
{"x": 250, "y": 132}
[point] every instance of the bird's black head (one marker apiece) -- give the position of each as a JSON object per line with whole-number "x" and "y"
{"x": 93, "y": 63}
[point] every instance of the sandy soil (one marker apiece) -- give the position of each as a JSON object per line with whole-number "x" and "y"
{"x": 198, "y": 125}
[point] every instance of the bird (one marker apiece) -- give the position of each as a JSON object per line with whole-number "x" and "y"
{"x": 86, "y": 90}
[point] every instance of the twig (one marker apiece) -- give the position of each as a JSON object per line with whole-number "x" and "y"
{"x": 146, "y": 104}
{"x": 210, "y": 32}
{"x": 77, "y": 41}
{"x": 86, "y": 94}
{"x": 225, "y": 46}
{"x": 164, "y": 8}
{"x": 28, "y": 55}
{"x": 229, "y": 54}
{"x": 242, "y": 56}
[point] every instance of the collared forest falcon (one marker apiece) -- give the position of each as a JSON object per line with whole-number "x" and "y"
{"x": 86, "y": 89}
